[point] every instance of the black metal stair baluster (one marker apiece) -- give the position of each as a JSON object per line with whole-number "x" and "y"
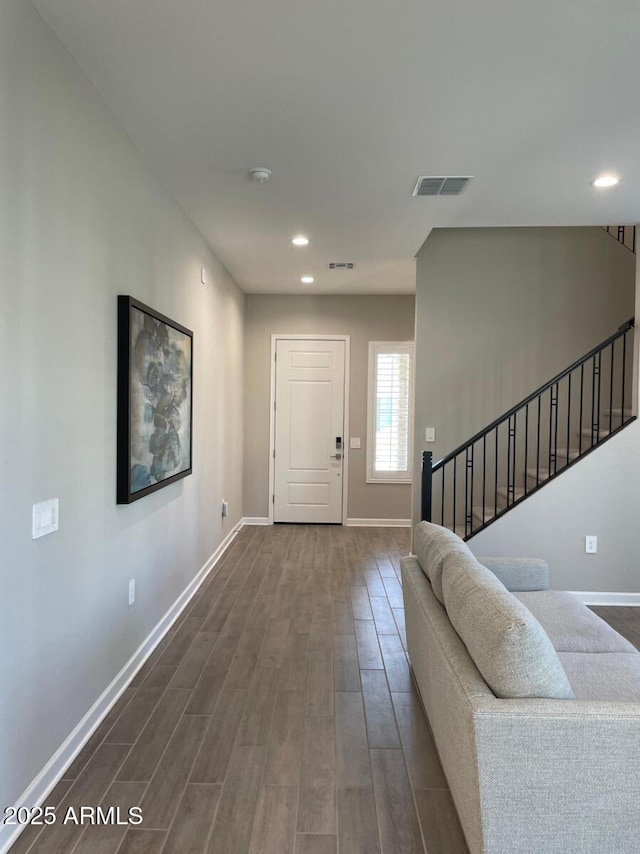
{"x": 580, "y": 423}
{"x": 550, "y": 431}
{"x": 555, "y": 429}
{"x": 467, "y": 511}
{"x": 471, "y": 499}
{"x": 526, "y": 444}
{"x": 611, "y": 390}
{"x": 495, "y": 488}
{"x": 513, "y": 464}
{"x": 484, "y": 473}
{"x": 569, "y": 420}
{"x": 538, "y": 440}
{"x": 508, "y": 464}
{"x": 599, "y": 397}
{"x": 593, "y": 401}
{"x": 427, "y": 475}
{"x": 624, "y": 368}
{"x": 455, "y": 461}
{"x": 442, "y": 500}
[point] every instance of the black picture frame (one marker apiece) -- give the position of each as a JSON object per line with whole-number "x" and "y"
{"x": 156, "y": 368}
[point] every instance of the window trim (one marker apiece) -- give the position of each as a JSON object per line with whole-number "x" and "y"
{"x": 376, "y": 347}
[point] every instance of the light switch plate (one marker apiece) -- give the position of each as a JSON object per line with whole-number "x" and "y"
{"x": 430, "y": 434}
{"x": 45, "y": 518}
{"x": 354, "y": 444}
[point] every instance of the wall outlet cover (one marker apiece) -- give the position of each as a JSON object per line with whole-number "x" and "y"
{"x": 45, "y": 517}
{"x": 591, "y": 545}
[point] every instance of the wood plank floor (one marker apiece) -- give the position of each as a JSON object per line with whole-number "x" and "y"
{"x": 278, "y": 716}
{"x": 624, "y": 619}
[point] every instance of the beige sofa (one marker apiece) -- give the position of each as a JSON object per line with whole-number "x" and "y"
{"x": 528, "y": 772}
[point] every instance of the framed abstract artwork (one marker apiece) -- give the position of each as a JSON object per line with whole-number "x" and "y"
{"x": 155, "y": 400}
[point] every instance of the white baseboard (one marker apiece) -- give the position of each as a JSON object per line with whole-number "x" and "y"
{"x": 379, "y": 523}
{"x": 35, "y": 794}
{"x": 355, "y": 523}
{"x": 629, "y": 599}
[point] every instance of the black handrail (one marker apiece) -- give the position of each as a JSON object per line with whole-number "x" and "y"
{"x": 524, "y": 453}
{"x": 531, "y": 397}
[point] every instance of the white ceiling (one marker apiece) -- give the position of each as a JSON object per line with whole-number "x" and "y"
{"x": 348, "y": 101}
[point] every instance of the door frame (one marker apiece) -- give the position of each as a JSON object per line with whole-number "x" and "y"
{"x": 275, "y": 337}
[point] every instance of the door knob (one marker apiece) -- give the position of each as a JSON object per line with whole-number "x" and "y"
{"x": 336, "y": 456}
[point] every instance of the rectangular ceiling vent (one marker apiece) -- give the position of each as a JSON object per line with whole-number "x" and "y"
{"x": 441, "y": 185}
{"x": 341, "y": 265}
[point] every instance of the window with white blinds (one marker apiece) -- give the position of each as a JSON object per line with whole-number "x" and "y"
{"x": 389, "y": 412}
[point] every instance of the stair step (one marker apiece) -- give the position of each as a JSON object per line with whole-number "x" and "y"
{"x": 561, "y": 453}
{"x": 489, "y": 513}
{"x": 618, "y": 413}
{"x": 602, "y": 434}
{"x": 542, "y": 474}
{"x": 503, "y": 492}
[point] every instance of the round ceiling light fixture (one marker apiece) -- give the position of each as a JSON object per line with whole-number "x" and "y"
{"x": 307, "y": 280}
{"x": 300, "y": 240}
{"x": 260, "y": 174}
{"x": 605, "y": 181}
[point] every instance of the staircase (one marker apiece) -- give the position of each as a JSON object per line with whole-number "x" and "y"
{"x": 625, "y": 234}
{"x": 535, "y": 441}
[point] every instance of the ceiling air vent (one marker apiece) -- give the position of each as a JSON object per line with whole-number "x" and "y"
{"x": 441, "y": 185}
{"x": 341, "y": 265}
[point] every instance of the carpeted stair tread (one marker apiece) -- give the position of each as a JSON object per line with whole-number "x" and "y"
{"x": 503, "y": 492}
{"x": 601, "y": 434}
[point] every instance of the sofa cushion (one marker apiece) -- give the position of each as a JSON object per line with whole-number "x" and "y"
{"x": 571, "y": 626}
{"x": 608, "y": 676}
{"x": 519, "y": 573}
{"x": 508, "y": 645}
{"x": 432, "y": 544}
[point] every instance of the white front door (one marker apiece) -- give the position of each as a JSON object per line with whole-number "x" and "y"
{"x": 309, "y": 430}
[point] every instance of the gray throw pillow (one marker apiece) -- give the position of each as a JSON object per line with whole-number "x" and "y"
{"x": 508, "y": 645}
{"x": 432, "y": 544}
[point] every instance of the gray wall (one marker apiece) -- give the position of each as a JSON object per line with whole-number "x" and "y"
{"x": 81, "y": 220}
{"x": 501, "y": 310}
{"x": 600, "y": 495}
{"x": 365, "y": 318}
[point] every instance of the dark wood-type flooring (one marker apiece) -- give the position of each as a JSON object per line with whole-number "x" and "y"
{"x": 277, "y": 717}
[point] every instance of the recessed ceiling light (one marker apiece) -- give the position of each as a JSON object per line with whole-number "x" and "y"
{"x": 307, "y": 280}
{"x": 605, "y": 181}
{"x": 300, "y": 240}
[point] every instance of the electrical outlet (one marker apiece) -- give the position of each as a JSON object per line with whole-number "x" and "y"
{"x": 132, "y": 591}
{"x": 430, "y": 434}
{"x": 225, "y": 509}
{"x": 591, "y": 545}
{"x": 44, "y": 518}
